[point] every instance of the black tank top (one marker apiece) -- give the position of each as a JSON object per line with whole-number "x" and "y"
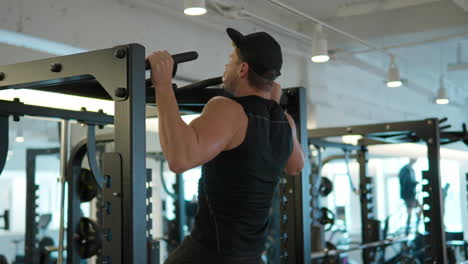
{"x": 237, "y": 186}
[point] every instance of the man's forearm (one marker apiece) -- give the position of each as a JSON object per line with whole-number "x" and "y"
{"x": 174, "y": 134}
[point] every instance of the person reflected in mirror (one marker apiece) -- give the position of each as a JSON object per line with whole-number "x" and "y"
{"x": 408, "y": 185}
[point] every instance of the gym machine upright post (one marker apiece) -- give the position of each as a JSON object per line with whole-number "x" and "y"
{"x": 294, "y": 193}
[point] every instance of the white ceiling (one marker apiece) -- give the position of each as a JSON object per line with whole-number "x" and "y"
{"x": 380, "y": 22}
{"x": 427, "y": 31}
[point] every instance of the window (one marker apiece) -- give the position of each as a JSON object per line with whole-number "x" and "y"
{"x": 191, "y": 178}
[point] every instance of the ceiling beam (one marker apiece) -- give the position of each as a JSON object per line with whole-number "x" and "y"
{"x": 373, "y": 6}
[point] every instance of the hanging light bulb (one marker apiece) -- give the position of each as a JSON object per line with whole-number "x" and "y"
{"x": 442, "y": 95}
{"x": 194, "y": 7}
{"x": 319, "y": 46}
{"x": 19, "y": 134}
{"x": 393, "y": 78}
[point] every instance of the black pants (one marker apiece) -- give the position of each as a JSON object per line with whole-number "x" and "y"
{"x": 192, "y": 252}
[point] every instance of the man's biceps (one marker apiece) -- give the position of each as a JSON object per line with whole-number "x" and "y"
{"x": 208, "y": 136}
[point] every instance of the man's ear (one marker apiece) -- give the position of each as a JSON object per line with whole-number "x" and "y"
{"x": 244, "y": 70}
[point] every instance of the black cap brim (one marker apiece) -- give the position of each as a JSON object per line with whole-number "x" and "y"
{"x": 235, "y": 36}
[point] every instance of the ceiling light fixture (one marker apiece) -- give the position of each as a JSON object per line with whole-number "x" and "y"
{"x": 442, "y": 95}
{"x": 393, "y": 78}
{"x": 194, "y": 7}
{"x": 394, "y": 81}
{"x": 319, "y": 46}
{"x": 19, "y": 134}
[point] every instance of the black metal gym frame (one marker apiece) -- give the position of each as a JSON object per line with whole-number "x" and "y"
{"x": 427, "y": 131}
{"x": 31, "y": 249}
{"x": 180, "y": 209}
{"x": 16, "y": 109}
{"x": 121, "y": 73}
{"x": 371, "y": 226}
{"x": 86, "y": 146}
{"x": 294, "y": 190}
{"x": 318, "y": 243}
{"x": 116, "y": 74}
{"x": 181, "y": 212}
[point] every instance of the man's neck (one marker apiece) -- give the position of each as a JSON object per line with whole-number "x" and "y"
{"x": 249, "y": 90}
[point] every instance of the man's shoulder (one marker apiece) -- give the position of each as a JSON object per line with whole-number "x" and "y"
{"x": 221, "y": 99}
{"x": 404, "y": 170}
{"x": 222, "y": 104}
{"x": 406, "y": 167}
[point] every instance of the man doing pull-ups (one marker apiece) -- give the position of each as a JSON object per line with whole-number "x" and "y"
{"x": 244, "y": 143}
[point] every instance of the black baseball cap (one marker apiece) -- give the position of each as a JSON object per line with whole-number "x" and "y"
{"x": 261, "y": 51}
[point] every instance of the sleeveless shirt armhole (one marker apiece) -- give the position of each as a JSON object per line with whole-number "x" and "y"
{"x": 236, "y": 99}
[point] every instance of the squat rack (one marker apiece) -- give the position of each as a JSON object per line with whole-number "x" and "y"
{"x": 118, "y": 74}
{"x": 428, "y": 131}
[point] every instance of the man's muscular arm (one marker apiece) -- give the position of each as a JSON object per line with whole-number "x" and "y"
{"x": 187, "y": 146}
{"x": 296, "y": 160}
